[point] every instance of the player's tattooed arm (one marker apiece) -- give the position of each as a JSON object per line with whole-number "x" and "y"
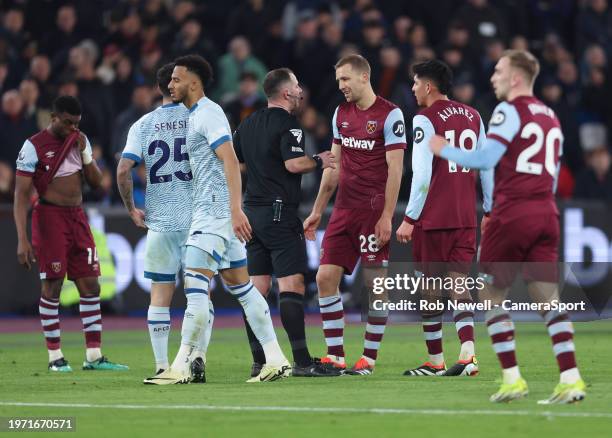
{"x": 126, "y": 190}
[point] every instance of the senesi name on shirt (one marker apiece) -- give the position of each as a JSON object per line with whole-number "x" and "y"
{"x": 171, "y": 125}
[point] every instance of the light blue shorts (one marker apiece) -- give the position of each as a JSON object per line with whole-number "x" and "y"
{"x": 164, "y": 254}
{"x": 212, "y": 245}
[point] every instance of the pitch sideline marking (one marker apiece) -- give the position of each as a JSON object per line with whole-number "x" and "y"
{"x": 548, "y": 414}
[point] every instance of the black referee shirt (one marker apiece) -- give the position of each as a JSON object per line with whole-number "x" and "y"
{"x": 264, "y": 141}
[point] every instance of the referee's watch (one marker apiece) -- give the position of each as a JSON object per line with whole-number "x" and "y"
{"x": 318, "y": 161}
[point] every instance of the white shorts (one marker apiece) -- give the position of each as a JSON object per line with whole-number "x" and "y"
{"x": 164, "y": 254}
{"x": 214, "y": 238}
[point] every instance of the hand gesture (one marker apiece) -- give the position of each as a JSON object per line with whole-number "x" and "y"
{"x": 382, "y": 231}
{"x": 437, "y": 143}
{"x": 241, "y": 226}
{"x": 328, "y": 160}
{"x": 311, "y": 224}
{"x": 404, "y": 232}
{"x": 138, "y": 217}
{"x": 25, "y": 254}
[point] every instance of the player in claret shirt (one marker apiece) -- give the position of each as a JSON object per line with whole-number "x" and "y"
{"x": 441, "y": 214}
{"x": 369, "y": 142}
{"x": 55, "y": 161}
{"x": 524, "y": 144}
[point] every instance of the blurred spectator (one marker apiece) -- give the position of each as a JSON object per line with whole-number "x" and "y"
{"x": 15, "y": 126}
{"x": 7, "y": 183}
{"x": 417, "y": 36}
{"x": 595, "y": 181}
{"x": 91, "y": 90}
{"x": 519, "y": 42}
{"x": 28, "y": 89}
{"x": 493, "y": 52}
{"x": 401, "y": 27}
{"x": 40, "y": 71}
{"x": 567, "y": 73}
{"x": 251, "y": 17}
{"x": 316, "y": 139}
{"x": 190, "y": 40}
{"x": 594, "y": 26}
{"x": 247, "y": 102}
{"x": 150, "y": 62}
{"x": 127, "y": 35}
{"x": 390, "y": 73}
{"x": 463, "y": 90}
{"x": 458, "y": 37}
{"x": 124, "y": 82}
{"x": 154, "y": 11}
{"x": 484, "y": 22}
{"x": 12, "y": 28}
{"x": 232, "y": 64}
{"x": 303, "y": 53}
{"x": 552, "y": 95}
{"x": 58, "y": 41}
{"x": 372, "y": 39}
{"x": 142, "y": 101}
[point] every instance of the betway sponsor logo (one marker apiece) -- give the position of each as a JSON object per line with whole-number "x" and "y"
{"x": 351, "y": 142}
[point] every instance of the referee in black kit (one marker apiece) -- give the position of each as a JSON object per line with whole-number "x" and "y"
{"x": 270, "y": 144}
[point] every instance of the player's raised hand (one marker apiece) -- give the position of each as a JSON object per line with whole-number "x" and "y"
{"x": 404, "y": 232}
{"x": 310, "y": 226}
{"x": 382, "y": 231}
{"x": 138, "y": 217}
{"x": 25, "y": 254}
{"x": 437, "y": 143}
{"x": 242, "y": 227}
{"x": 328, "y": 160}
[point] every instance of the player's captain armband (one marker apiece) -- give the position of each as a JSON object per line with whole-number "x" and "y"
{"x": 504, "y": 124}
{"x": 87, "y": 153}
{"x": 27, "y": 159}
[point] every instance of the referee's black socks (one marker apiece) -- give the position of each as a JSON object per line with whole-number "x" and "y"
{"x": 292, "y": 316}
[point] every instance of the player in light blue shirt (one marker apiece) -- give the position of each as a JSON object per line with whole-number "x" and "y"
{"x": 218, "y": 229}
{"x": 158, "y": 138}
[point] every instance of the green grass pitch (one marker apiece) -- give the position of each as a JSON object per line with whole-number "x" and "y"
{"x": 381, "y": 405}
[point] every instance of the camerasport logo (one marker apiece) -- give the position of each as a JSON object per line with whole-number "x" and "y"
{"x": 371, "y": 126}
{"x": 56, "y": 266}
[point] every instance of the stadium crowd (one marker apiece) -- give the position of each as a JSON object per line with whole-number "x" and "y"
{"x": 107, "y": 53}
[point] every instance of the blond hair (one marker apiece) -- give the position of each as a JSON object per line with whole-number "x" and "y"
{"x": 524, "y": 61}
{"x": 357, "y": 62}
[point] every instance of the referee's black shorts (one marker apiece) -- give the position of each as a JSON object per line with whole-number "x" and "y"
{"x": 276, "y": 248}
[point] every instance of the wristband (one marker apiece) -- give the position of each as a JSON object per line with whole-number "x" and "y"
{"x": 87, "y": 155}
{"x": 318, "y": 161}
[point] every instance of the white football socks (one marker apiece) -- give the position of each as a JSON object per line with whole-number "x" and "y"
{"x": 195, "y": 319}
{"x": 258, "y": 315}
{"x": 158, "y": 320}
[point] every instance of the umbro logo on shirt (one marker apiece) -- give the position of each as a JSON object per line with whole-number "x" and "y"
{"x": 297, "y": 133}
{"x": 50, "y": 154}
